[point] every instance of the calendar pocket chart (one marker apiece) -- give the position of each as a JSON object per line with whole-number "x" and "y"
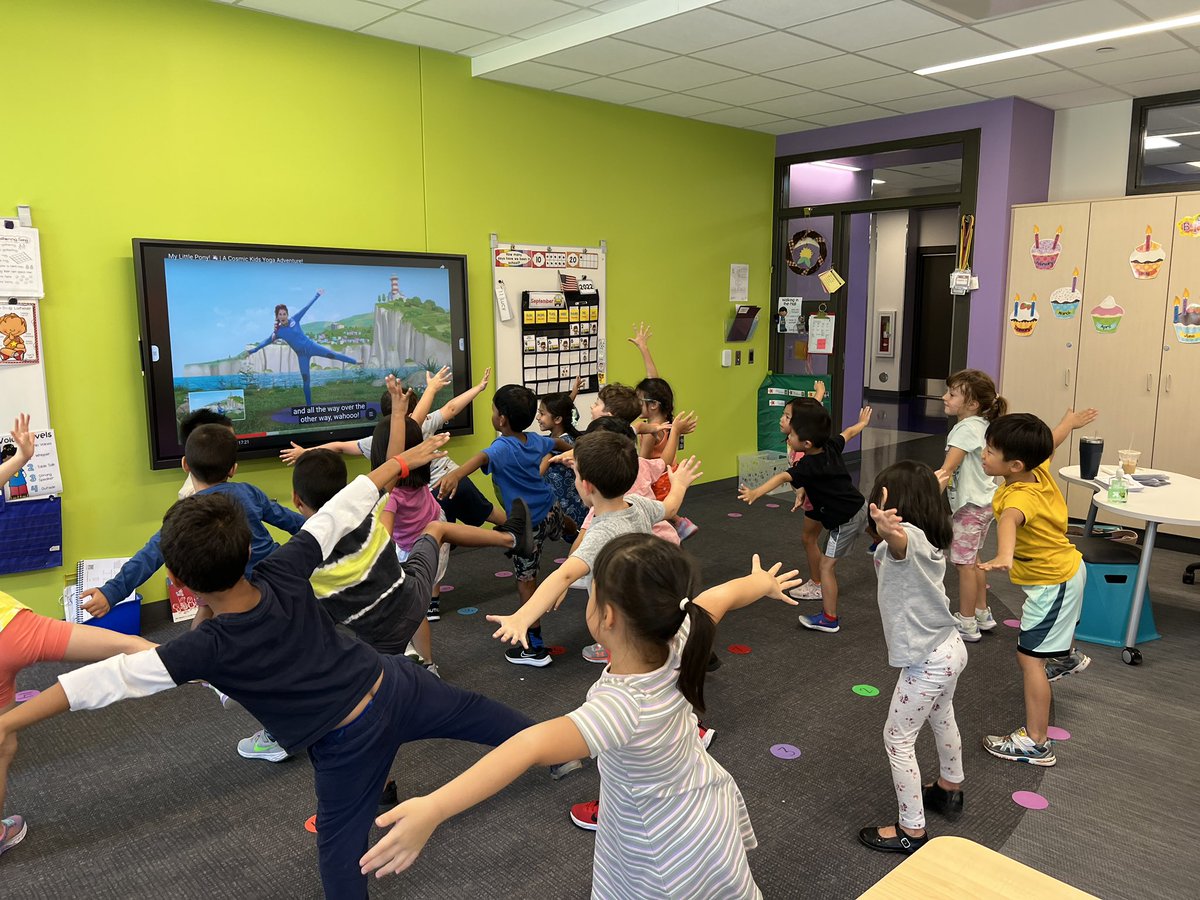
{"x": 557, "y": 341}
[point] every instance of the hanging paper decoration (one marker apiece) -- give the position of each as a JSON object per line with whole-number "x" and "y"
{"x": 1147, "y": 258}
{"x": 1187, "y": 320}
{"x": 1189, "y": 226}
{"x": 1045, "y": 252}
{"x": 1107, "y": 316}
{"x": 1065, "y": 300}
{"x": 1024, "y": 316}
{"x": 806, "y": 252}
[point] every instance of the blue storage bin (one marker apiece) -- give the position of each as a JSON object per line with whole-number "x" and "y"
{"x": 1107, "y": 599}
{"x": 124, "y": 617}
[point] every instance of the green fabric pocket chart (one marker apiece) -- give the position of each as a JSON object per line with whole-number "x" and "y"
{"x": 773, "y": 395}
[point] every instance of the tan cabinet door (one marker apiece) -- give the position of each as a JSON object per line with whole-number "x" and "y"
{"x": 1178, "y": 429}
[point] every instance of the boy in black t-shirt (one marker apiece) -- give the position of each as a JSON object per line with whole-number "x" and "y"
{"x": 273, "y": 648}
{"x": 838, "y": 508}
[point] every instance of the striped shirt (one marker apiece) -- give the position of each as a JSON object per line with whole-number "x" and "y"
{"x": 672, "y": 823}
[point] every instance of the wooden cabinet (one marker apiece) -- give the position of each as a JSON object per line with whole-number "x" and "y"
{"x": 1178, "y": 430}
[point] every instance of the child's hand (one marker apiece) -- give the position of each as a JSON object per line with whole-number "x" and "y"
{"x": 685, "y": 423}
{"x": 511, "y": 630}
{"x": 998, "y": 564}
{"x": 1081, "y": 418}
{"x": 291, "y": 454}
{"x": 748, "y": 495}
{"x": 413, "y": 821}
{"x": 687, "y": 472}
{"x": 437, "y": 380}
{"x": 427, "y": 451}
{"x": 395, "y": 388}
{"x": 577, "y": 387}
{"x": 564, "y": 459}
{"x": 641, "y": 335}
{"x": 864, "y": 416}
{"x": 23, "y": 438}
{"x": 775, "y": 584}
{"x": 448, "y": 485}
{"x": 819, "y": 391}
{"x": 97, "y": 604}
{"x": 943, "y": 478}
{"x": 887, "y": 521}
{"x": 483, "y": 382}
{"x": 799, "y": 504}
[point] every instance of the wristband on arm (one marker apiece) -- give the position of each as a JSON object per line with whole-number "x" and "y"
{"x": 403, "y": 465}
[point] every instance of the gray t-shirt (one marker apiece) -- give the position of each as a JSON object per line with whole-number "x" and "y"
{"x": 638, "y": 518}
{"x": 912, "y": 601}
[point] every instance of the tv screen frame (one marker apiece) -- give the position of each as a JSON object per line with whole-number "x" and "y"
{"x": 150, "y": 257}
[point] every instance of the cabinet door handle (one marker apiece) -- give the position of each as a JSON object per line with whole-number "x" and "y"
{"x": 1149, "y": 381}
{"x": 1168, "y": 385}
{"x": 1066, "y": 377}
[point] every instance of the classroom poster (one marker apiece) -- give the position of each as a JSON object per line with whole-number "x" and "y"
{"x": 19, "y": 340}
{"x": 41, "y": 476}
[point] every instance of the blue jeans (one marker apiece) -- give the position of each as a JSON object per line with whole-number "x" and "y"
{"x": 351, "y": 763}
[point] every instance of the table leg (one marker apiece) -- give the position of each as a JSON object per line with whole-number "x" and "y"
{"x": 1090, "y": 524}
{"x": 1139, "y": 594}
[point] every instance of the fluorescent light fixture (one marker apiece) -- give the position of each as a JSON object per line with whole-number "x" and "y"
{"x": 1195, "y": 165}
{"x": 1099, "y": 37}
{"x": 1159, "y": 142}
{"x": 1176, "y": 134}
{"x": 833, "y": 165}
{"x": 878, "y": 181}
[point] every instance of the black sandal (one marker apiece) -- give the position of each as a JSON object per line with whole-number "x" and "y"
{"x": 901, "y": 843}
{"x": 940, "y": 800}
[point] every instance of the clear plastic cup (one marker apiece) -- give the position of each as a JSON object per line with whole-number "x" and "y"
{"x": 1129, "y": 460}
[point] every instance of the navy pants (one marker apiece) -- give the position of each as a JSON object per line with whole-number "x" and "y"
{"x": 351, "y": 764}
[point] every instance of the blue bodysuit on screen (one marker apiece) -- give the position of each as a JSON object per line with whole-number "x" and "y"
{"x": 289, "y": 331}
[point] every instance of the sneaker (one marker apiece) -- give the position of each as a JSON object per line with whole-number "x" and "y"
{"x": 821, "y": 622}
{"x": 810, "y": 590}
{"x": 562, "y": 770}
{"x": 1071, "y": 664}
{"x": 520, "y": 527}
{"x": 432, "y": 669}
{"x": 388, "y": 798}
{"x": 534, "y": 656}
{"x": 596, "y": 653}
{"x": 434, "y": 613}
{"x": 1019, "y": 747}
{"x": 411, "y": 652}
{"x": 226, "y": 701}
{"x": 984, "y": 619}
{"x": 707, "y": 735}
{"x": 968, "y": 629}
{"x": 15, "y": 828}
{"x": 584, "y": 814}
{"x": 939, "y": 800}
{"x": 686, "y": 528}
{"x": 261, "y": 745}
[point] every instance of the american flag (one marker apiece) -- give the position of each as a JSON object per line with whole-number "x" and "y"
{"x": 568, "y": 282}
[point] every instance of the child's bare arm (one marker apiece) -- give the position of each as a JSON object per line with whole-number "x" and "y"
{"x": 433, "y": 383}
{"x": 739, "y": 592}
{"x": 448, "y": 484}
{"x": 466, "y": 398}
{"x": 685, "y": 423}
{"x": 819, "y": 391}
{"x": 864, "y": 419}
{"x": 1072, "y": 420}
{"x": 641, "y": 340}
{"x": 687, "y": 472}
{"x": 294, "y": 452}
{"x": 549, "y": 595}
{"x": 749, "y": 495}
{"x": 23, "y": 438}
{"x": 1006, "y": 541}
{"x": 395, "y": 389}
{"x": 954, "y": 459}
{"x": 888, "y": 525}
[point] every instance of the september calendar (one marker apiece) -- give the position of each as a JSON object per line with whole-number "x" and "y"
{"x": 560, "y": 340}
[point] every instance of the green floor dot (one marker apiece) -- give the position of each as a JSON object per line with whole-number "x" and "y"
{"x": 866, "y": 690}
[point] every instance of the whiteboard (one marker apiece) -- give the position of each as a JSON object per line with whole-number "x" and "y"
{"x": 525, "y": 267}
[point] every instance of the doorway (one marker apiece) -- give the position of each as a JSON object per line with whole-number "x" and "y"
{"x": 933, "y": 316}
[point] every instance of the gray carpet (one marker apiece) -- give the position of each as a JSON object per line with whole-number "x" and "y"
{"x": 150, "y": 797}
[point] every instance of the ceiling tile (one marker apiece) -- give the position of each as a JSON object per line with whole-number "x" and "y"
{"x": 502, "y": 18}
{"x": 1162, "y": 65}
{"x": 692, "y": 31}
{"x": 891, "y": 88}
{"x": 1155, "y": 86}
{"x": 392, "y": 4}
{"x": 1089, "y": 97}
{"x": 351, "y": 14}
{"x": 679, "y": 105}
{"x": 997, "y": 71}
{"x": 785, "y": 126}
{"x": 940, "y": 100}
{"x": 1036, "y": 85}
{"x": 786, "y": 13}
{"x": 742, "y": 91}
{"x": 845, "y": 69}
{"x": 804, "y": 106}
{"x": 1054, "y": 23}
{"x": 487, "y": 46}
{"x": 739, "y": 118}
{"x": 572, "y": 18}
{"x": 606, "y": 6}
{"x": 846, "y": 116}
{"x": 680, "y": 73}
{"x": 538, "y": 75}
{"x": 933, "y": 49}
{"x": 412, "y": 29}
{"x": 1165, "y": 9}
{"x": 612, "y": 90}
{"x": 1125, "y": 48}
{"x": 773, "y": 50}
{"x": 605, "y": 56}
{"x": 883, "y": 23}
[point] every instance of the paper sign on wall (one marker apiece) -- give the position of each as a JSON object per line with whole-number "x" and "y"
{"x": 820, "y": 333}
{"x": 41, "y": 476}
{"x": 739, "y": 282}
{"x": 789, "y": 318}
{"x": 20, "y": 261}
{"x": 19, "y": 339}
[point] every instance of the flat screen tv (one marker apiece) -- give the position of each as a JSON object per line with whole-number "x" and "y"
{"x": 292, "y": 343}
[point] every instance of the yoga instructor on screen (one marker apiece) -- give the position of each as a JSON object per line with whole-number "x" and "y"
{"x": 289, "y": 331}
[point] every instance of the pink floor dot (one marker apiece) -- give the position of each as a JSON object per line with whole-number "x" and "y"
{"x": 1013, "y": 623}
{"x": 1030, "y": 800}
{"x": 447, "y": 587}
{"x": 772, "y": 506}
{"x": 504, "y": 574}
{"x": 734, "y": 515}
{"x": 22, "y": 696}
{"x": 1058, "y": 734}
{"x": 560, "y": 560}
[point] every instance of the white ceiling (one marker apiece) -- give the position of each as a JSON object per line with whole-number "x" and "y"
{"x": 788, "y": 65}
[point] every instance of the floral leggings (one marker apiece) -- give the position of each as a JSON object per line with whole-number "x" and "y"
{"x": 925, "y": 691}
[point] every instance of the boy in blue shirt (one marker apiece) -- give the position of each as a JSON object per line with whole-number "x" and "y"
{"x": 514, "y": 461}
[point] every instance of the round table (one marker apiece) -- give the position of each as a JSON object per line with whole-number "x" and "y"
{"x": 1177, "y": 503}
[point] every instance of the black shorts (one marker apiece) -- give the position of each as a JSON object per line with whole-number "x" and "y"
{"x": 468, "y": 505}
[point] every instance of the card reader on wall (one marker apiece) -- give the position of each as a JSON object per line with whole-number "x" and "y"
{"x": 726, "y": 358}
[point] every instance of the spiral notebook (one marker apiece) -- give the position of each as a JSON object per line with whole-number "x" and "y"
{"x": 91, "y": 573}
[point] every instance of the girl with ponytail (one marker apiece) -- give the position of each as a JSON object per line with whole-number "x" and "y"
{"x": 674, "y": 822}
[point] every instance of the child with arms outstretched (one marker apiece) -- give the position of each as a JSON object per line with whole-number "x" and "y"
{"x": 556, "y": 417}
{"x": 675, "y": 822}
{"x": 912, "y": 523}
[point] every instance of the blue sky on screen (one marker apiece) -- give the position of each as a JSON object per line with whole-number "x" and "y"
{"x": 217, "y": 307}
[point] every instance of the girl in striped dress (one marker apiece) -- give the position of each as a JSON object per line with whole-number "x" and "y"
{"x": 673, "y": 822}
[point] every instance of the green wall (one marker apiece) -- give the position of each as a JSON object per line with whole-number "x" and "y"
{"x": 193, "y": 120}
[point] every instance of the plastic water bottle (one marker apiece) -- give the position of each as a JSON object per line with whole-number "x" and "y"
{"x": 1117, "y": 491}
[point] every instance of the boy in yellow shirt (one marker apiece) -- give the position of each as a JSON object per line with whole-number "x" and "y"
{"x": 1032, "y": 518}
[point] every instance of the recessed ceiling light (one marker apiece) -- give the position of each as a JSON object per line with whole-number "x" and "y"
{"x": 878, "y": 181}
{"x": 1159, "y": 142}
{"x": 833, "y": 165}
{"x": 1097, "y": 38}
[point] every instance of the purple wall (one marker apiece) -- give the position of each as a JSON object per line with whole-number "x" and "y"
{"x": 1014, "y": 167}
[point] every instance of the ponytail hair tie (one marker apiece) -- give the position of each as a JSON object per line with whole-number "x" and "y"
{"x": 683, "y": 604}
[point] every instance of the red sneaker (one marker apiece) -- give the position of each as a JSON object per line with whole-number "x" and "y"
{"x": 584, "y": 814}
{"x": 707, "y": 735}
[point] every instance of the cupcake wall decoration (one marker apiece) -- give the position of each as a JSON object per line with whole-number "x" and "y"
{"x": 1147, "y": 258}
{"x": 1187, "y": 320}
{"x": 1107, "y": 316}
{"x": 1024, "y": 316}
{"x": 1064, "y": 301}
{"x": 1045, "y": 252}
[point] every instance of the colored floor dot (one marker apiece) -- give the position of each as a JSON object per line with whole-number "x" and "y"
{"x": 772, "y": 506}
{"x": 1013, "y": 623}
{"x": 740, "y": 649}
{"x": 22, "y": 696}
{"x": 560, "y": 560}
{"x": 504, "y": 574}
{"x": 1030, "y": 800}
{"x": 1058, "y": 734}
{"x": 556, "y": 650}
{"x": 310, "y": 824}
{"x": 785, "y": 751}
{"x": 468, "y": 610}
{"x": 447, "y": 587}
{"x": 866, "y": 690}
